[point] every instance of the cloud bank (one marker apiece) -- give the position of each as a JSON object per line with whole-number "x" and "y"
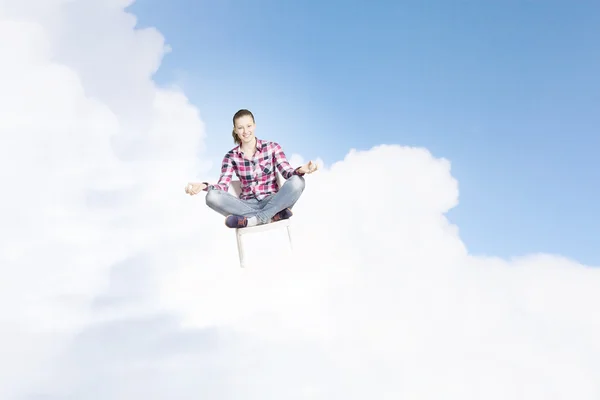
{"x": 117, "y": 285}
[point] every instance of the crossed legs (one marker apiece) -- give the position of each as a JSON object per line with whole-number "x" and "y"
{"x": 264, "y": 210}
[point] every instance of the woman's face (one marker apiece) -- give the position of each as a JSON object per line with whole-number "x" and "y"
{"x": 244, "y": 128}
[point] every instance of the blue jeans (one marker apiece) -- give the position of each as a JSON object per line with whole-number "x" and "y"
{"x": 227, "y": 204}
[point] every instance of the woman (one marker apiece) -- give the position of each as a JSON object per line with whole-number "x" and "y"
{"x": 254, "y": 161}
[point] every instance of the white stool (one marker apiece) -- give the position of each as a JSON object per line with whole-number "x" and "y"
{"x": 236, "y": 189}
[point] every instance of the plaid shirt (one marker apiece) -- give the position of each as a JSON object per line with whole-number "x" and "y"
{"x": 257, "y": 176}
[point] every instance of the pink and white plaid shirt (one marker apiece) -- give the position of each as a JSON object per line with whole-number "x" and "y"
{"x": 257, "y": 176}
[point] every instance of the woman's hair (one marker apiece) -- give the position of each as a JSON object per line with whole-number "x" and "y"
{"x": 239, "y": 114}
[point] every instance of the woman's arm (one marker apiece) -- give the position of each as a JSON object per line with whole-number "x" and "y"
{"x": 225, "y": 178}
{"x": 287, "y": 171}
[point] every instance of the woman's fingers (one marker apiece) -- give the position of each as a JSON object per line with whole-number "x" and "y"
{"x": 189, "y": 189}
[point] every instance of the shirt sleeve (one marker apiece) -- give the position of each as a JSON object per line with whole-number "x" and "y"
{"x": 282, "y": 163}
{"x": 225, "y": 178}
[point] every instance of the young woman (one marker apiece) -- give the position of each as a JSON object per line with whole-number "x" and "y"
{"x": 254, "y": 161}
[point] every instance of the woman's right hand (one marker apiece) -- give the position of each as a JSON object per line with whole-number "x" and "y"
{"x": 193, "y": 188}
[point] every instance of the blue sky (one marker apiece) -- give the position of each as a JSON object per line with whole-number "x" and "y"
{"x": 508, "y": 91}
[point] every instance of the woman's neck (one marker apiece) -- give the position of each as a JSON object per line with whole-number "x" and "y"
{"x": 248, "y": 149}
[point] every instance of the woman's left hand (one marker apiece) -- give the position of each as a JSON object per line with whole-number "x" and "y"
{"x": 308, "y": 168}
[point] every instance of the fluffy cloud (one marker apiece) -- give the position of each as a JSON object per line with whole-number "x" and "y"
{"x": 117, "y": 285}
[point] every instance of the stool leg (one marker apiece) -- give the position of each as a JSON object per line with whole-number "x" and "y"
{"x": 290, "y": 237}
{"x": 240, "y": 247}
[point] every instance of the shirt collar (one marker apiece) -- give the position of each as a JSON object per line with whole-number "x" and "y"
{"x": 259, "y": 146}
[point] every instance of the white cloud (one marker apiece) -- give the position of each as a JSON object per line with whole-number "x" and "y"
{"x": 117, "y": 285}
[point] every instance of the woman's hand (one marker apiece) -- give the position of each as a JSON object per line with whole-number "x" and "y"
{"x": 194, "y": 188}
{"x": 308, "y": 168}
